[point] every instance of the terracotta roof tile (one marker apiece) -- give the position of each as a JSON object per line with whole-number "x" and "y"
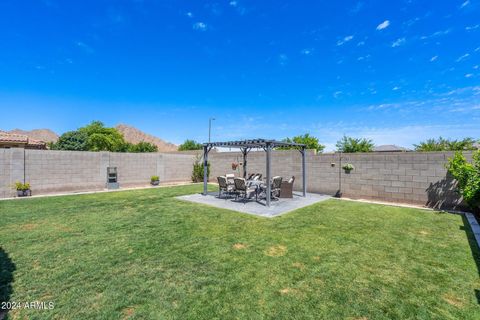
{"x": 6, "y": 137}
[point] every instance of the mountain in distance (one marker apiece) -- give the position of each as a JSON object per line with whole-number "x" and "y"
{"x": 131, "y": 134}
{"x": 134, "y": 135}
{"x": 46, "y": 135}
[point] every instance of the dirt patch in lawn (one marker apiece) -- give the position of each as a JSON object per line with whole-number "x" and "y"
{"x": 128, "y": 312}
{"x": 28, "y": 226}
{"x": 276, "y": 251}
{"x": 454, "y": 301}
{"x": 239, "y": 246}
{"x": 298, "y": 265}
{"x": 288, "y": 291}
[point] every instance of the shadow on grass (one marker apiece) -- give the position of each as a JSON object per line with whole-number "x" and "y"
{"x": 474, "y": 249}
{"x": 7, "y": 267}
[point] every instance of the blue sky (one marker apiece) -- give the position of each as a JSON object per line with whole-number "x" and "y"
{"x": 393, "y": 71}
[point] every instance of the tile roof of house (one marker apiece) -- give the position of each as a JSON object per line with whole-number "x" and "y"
{"x": 389, "y": 148}
{"x": 6, "y": 137}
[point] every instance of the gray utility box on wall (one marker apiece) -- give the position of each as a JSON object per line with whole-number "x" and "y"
{"x": 112, "y": 181}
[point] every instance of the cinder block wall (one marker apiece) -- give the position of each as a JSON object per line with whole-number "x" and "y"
{"x": 50, "y": 171}
{"x": 412, "y": 177}
{"x": 407, "y": 177}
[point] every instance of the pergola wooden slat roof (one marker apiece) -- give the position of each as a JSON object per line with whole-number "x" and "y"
{"x": 245, "y": 146}
{"x": 254, "y": 143}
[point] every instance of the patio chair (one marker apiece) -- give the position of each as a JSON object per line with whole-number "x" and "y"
{"x": 276, "y": 184}
{"x": 224, "y": 187}
{"x": 257, "y": 176}
{"x": 286, "y": 188}
{"x": 230, "y": 177}
{"x": 250, "y": 176}
{"x": 241, "y": 189}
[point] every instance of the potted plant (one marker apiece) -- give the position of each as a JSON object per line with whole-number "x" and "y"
{"x": 154, "y": 180}
{"x": 348, "y": 167}
{"x": 235, "y": 165}
{"x": 23, "y": 189}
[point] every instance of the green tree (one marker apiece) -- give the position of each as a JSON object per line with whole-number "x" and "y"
{"x": 351, "y": 145}
{"x": 442, "y": 144}
{"x": 101, "y": 138}
{"x": 71, "y": 140}
{"x": 190, "y": 145}
{"x": 142, "y": 147}
{"x": 311, "y": 142}
{"x": 468, "y": 177}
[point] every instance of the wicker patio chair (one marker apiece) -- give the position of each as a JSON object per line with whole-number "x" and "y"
{"x": 276, "y": 184}
{"x": 286, "y": 188}
{"x": 224, "y": 187}
{"x": 242, "y": 190}
{"x": 230, "y": 177}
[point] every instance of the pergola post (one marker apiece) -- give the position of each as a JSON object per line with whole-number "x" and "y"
{"x": 205, "y": 170}
{"x": 304, "y": 172}
{"x": 269, "y": 186}
{"x": 244, "y": 152}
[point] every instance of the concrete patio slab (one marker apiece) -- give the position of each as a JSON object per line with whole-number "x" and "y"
{"x": 277, "y": 207}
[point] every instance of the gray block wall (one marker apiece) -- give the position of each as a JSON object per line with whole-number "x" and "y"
{"x": 408, "y": 177}
{"x": 50, "y": 171}
{"x": 411, "y": 177}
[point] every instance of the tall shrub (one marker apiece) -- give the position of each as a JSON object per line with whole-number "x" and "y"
{"x": 351, "y": 145}
{"x": 442, "y": 144}
{"x": 468, "y": 177}
{"x": 311, "y": 142}
{"x": 190, "y": 145}
{"x": 197, "y": 173}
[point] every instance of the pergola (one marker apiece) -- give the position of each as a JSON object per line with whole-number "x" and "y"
{"x": 245, "y": 146}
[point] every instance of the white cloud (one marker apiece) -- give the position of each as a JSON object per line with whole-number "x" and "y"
{"x": 468, "y": 75}
{"x": 434, "y": 58}
{"x": 345, "y": 40}
{"x": 360, "y": 43}
{"x": 461, "y": 58}
{"x": 363, "y": 57}
{"x": 357, "y": 8}
{"x": 307, "y": 52}
{"x": 85, "y": 47}
{"x": 396, "y": 88}
{"x": 466, "y": 3}
{"x": 189, "y": 14}
{"x": 437, "y": 34}
{"x": 383, "y": 25}
{"x": 240, "y": 9}
{"x": 200, "y": 26}
{"x": 282, "y": 59}
{"x": 470, "y": 28}
{"x": 337, "y": 94}
{"x": 399, "y": 42}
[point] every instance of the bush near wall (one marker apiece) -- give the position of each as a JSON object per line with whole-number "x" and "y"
{"x": 468, "y": 177}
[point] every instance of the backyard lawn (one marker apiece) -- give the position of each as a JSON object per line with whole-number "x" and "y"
{"x": 145, "y": 255}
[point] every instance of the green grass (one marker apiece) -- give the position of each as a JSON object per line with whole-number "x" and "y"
{"x": 146, "y": 255}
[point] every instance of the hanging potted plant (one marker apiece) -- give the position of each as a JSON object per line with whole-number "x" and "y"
{"x": 23, "y": 189}
{"x": 348, "y": 167}
{"x": 235, "y": 165}
{"x": 155, "y": 180}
